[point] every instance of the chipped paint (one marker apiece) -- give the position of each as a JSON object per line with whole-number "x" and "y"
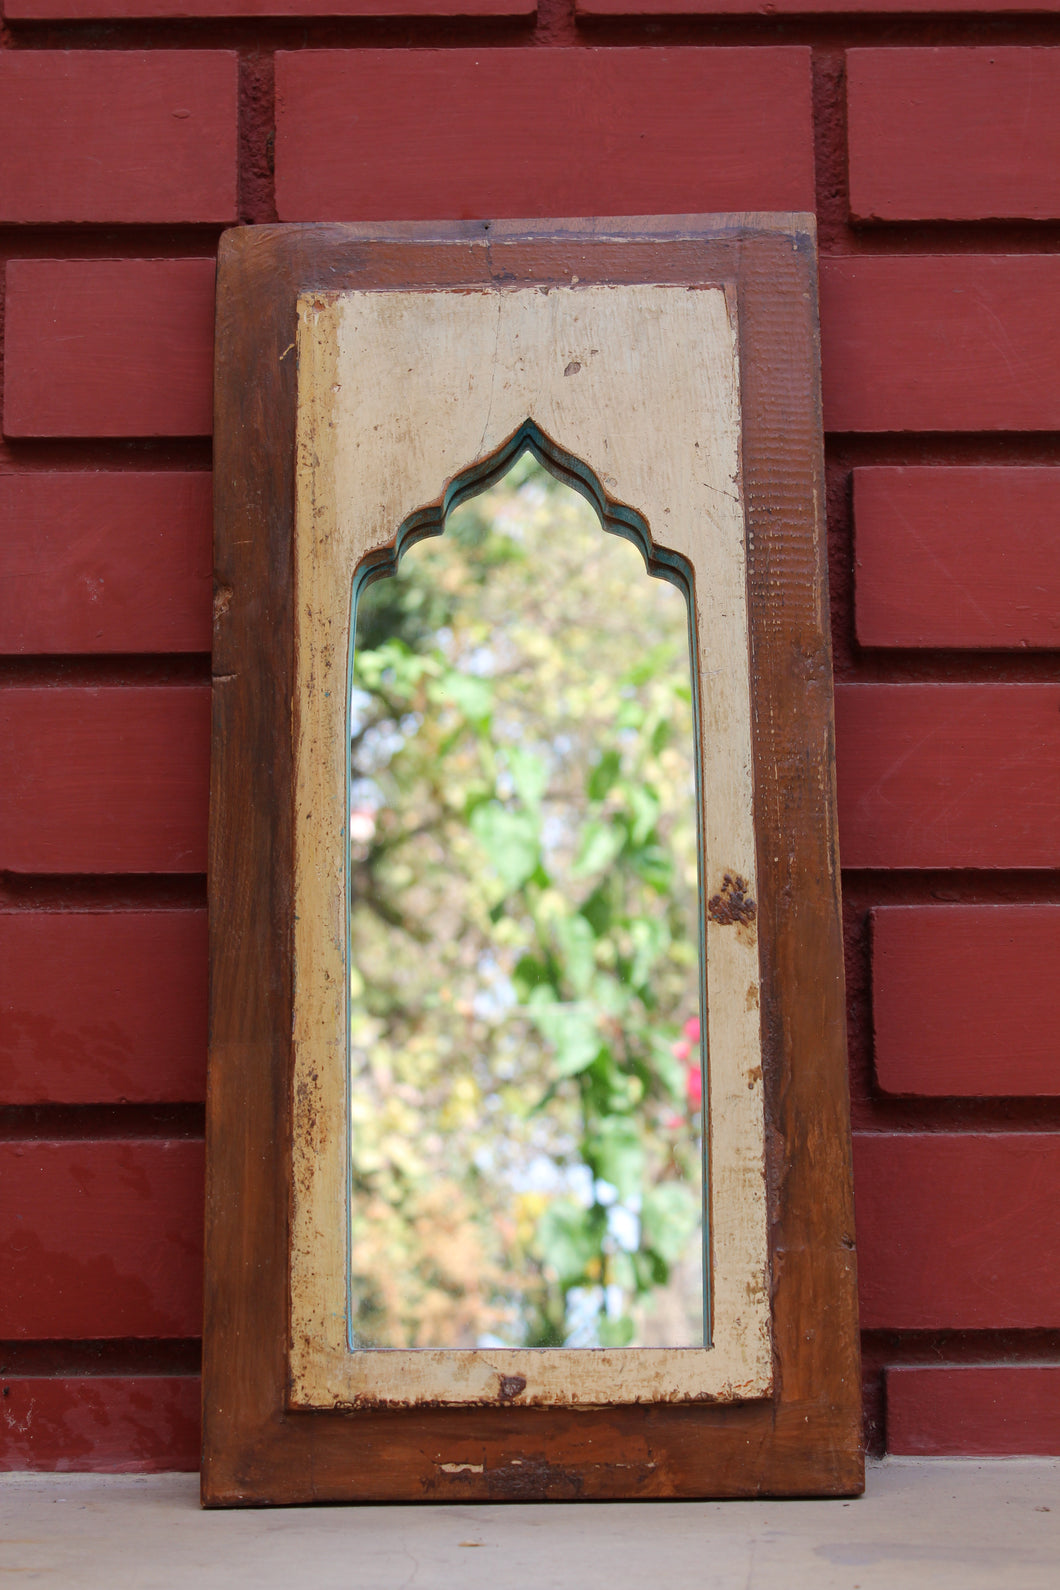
{"x": 371, "y": 452}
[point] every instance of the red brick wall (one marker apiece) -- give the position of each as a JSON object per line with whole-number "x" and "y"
{"x": 931, "y": 142}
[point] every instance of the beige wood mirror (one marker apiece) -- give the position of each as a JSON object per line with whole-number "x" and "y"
{"x": 369, "y": 381}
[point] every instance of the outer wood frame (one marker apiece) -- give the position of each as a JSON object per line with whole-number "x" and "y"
{"x": 805, "y": 1439}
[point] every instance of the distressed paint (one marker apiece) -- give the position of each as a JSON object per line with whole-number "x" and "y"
{"x": 399, "y": 392}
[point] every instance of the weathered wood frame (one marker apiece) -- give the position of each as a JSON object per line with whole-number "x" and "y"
{"x": 804, "y": 1437}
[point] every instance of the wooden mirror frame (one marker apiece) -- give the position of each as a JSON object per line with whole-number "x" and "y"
{"x": 802, "y": 1436}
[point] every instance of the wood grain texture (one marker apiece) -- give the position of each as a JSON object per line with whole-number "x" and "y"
{"x": 954, "y": 134}
{"x": 386, "y": 134}
{"x": 958, "y": 1231}
{"x": 920, "y": 342}
{"x": 102, "y": 1007}
{"x": 108, "y": 347}
{"x": 632, "y": 381}
{"x": 110, "y": 779}
{"x": 92, "y": 10}
{"x": 948, "y": 775}
{"x": 804, "y": 1439}
{"x": 957, "y": 557}
{"x": 966, "y": 1000}
{"x": 100, "y": 1238}
{"x": 105, "y": 561}
{"x": 973, "y": 1410}
{"x": 106, "y": 1424}
{"x": 118, "y": 135}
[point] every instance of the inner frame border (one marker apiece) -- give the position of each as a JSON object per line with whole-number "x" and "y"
{"x": 663, "y": 388}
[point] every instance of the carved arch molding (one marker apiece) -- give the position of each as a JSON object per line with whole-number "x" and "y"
{"x": 367, "y": 379}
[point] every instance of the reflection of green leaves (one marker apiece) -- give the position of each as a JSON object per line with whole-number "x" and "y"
{"x": 471, "y": 695}
{"x": 657, "y": 660}
{"x": 510, "y": 840}
{"x": 644, "y": 811}
{"x": 615, "y": 1332}
{"x": 530, "y": 974}
{"x": 572, "y": 1032}
{"x": 668, "y": 1217}
{"x": 529, "y": 774}
{"x": 577, "y": 944}
{"x": 600, "y": 844}
{"x": 650, "y": 936}
{"x": 650, "y": 1270}
{"x": 603, "y": 775}
{"x": 661, "y": 736}
{"x": 391, "y": 666}
{"x": 569, "y": 1240}
{"x": 652, "y": 864}
{"x": 615, "y": 1152}
{"x": 598, "y": 911}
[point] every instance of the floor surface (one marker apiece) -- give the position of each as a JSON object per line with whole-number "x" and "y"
{"x": 969, "y": 1525}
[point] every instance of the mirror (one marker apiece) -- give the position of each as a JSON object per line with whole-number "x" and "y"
{"x": 665, "y": 367}
{"x": 526, "y": 1082}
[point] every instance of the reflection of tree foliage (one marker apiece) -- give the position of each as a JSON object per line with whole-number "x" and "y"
{"x": 523, "y": 934}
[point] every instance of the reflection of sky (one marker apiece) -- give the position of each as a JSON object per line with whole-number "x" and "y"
{"x": 585, "y": 1304}
{"x": 542, "y": 1173}
{"x": 546, "y": 1175}
{"x": 495, "y": 996}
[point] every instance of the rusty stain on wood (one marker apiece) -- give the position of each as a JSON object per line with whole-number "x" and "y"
{"x": 732, "y": 903}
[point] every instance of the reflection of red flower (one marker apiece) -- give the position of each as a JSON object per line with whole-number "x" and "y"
{"x": 682, "y": 1050}
{"x": 362, "y": 824}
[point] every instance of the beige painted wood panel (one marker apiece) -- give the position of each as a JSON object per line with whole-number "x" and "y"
{"x": 400, "y": 392}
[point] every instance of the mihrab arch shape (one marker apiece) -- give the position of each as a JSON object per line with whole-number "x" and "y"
{"x": 617, "y": 518}
{"x": 534, "y": 1376}
{"x": 666, "y": 365}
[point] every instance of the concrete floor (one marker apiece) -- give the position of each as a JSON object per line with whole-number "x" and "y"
{"x": 970, "y": 1525}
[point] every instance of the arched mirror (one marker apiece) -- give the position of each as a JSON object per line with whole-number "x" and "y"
{"x": 528, "y": 1137}
{"x": 526, "y": 1075}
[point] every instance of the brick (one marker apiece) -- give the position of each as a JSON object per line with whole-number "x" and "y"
{"x": 954, "y": 134}
{"x": 966, "y": 1000}
{"x": 86, "y": 10}
{"x": 769, "y": 8}
{"x": 957, "y": 557}
{"x": 109, "y": 348}
{"x": 958, "y": 1231}
{"x": 973, "y": 1410}
{"x": 109, "y": 779}
{"x": 110, "y": 1424}
{"x": 941, "y": 342}
{"x": 105, "y": 561}
{"x": 103, "y": 1007}
{"x": 414, "y": 134}
{"x": 101, "y": 1239}
{"x": 118, "y": 135}
{"x": 948, "y": 775}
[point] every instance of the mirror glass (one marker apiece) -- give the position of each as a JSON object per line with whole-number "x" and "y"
{"x": 526, "y": 1079}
